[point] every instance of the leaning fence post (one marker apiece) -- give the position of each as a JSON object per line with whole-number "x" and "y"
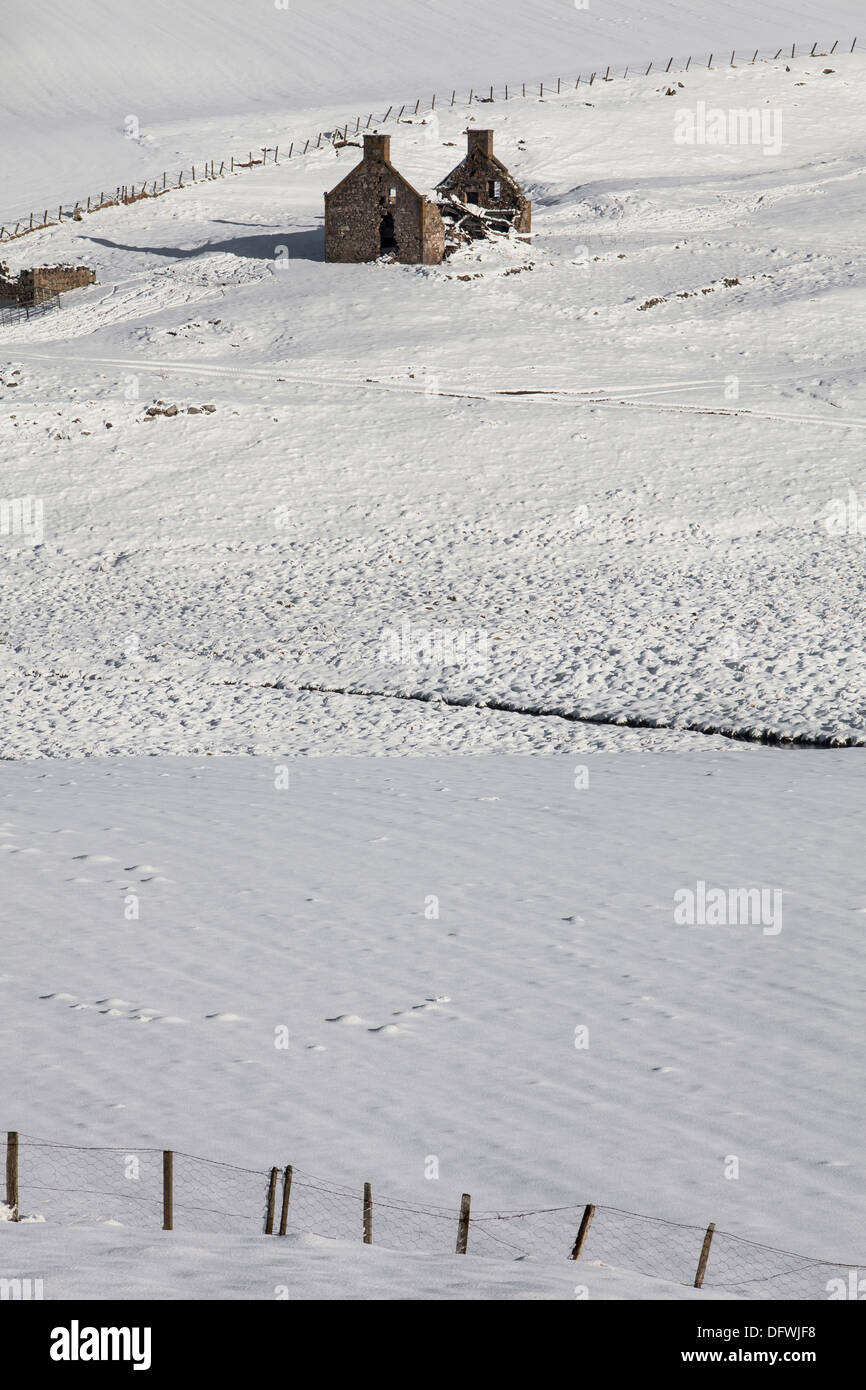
{"x": 463, "y": 1224}
{"x": 272, "y": 1198}
{"x": 583, "y": 1232}
{"x": 705, "y": 1255}
{"x": 287, "y": 1192}
{"x": 368, "y": 1214}
{"x": 167, "y": 1190}
{"x": 12, "y": 1172}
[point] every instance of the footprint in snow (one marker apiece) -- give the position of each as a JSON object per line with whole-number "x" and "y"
{"x": 348, "y": 1021}
{"x": 388, "y": 1028}
{"x": 225, "y": 1018}
{"x": 96, "y": 858}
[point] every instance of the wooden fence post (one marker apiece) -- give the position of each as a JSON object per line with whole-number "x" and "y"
{"x": 668, "y": 68}
{"x": 368, "y": 1214}
{"x": 463, "y": 1224}
{"x": 272, "y": 1200}
{"x": 12, "y": 1172}
{"x": 287, "y": 1192}
{"x": 167, "y": 1190}
{"x": 583, "y": 1232}
{"x": 705, "y": 1255}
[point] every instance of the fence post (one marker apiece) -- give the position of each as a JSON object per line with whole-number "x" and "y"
{"x": 463, "y": 1224}
{"x": 705, "y": 1255}
{"x": 368, "y": 1214}
{"x": 583, "y": 1232}
{"x": 287, "y": 1192}
{"x": 272, "y": 1198}
{"x": 12, "y": 1172}
{"x": 167, "y": 1190}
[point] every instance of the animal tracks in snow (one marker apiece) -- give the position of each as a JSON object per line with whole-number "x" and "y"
{"x": 389, "y": 1029}
{"x": 115, "y": 1008}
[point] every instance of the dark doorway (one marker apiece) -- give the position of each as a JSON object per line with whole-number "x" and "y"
{"x": 387, "y": 235}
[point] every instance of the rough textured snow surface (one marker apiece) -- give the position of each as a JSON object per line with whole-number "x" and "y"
{"x": 313, "y": 907}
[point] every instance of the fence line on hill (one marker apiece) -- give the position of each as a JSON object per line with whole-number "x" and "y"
{"x": 340, "y": 137}
{"x": 153, "y": 1189}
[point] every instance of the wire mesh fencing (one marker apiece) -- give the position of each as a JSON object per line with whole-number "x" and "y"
{"x": 153, "y": 1189}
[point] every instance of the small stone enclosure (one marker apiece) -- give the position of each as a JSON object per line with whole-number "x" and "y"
{"x": 376, "y": 212}
{"x": 43, "y": 281}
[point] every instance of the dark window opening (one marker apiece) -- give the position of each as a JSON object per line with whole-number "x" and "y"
{"x": 387, "y": 234}
{"x": 495, "y": 188}
{"x": 474, "y": 196}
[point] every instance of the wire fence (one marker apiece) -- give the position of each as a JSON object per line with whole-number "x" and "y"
{"x": 153, "y": 1189}
{"x": 344, "y": 131}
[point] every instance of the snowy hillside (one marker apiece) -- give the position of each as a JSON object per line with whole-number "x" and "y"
{"x": 268, "y": 525}
{"x": 68, "y": 83}
{"x": 606, "y": 470}
{"x": 433, "y": 934}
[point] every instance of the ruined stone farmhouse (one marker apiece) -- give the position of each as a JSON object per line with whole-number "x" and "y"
{"x": 483, "y": 181}
{"x": 376, "y": 212}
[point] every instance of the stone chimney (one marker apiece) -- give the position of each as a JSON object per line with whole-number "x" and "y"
{"x": 378, "y": 148}
{"x": 480, "y": 140}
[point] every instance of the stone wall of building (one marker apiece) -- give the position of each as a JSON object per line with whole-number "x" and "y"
{"x": 375, "y": 212}
{"x": 484, "y": 181}
{"x": 43, "y": 281}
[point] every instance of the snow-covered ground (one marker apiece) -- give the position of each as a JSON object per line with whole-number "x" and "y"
{"x": 313, "y": 907}
{"x": 652, "y": 534}
{"x": 76, "y": 1264}
{"x": 601, "y": 494}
